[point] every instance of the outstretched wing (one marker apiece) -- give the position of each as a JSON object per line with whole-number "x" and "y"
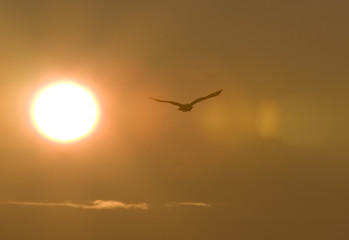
{"x": 208, "y": 96}
{"x": 174, "y": 103}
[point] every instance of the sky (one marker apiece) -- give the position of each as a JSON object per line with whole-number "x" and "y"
{"x": 266, "y": 159}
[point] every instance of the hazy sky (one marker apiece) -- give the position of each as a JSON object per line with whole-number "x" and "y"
{"x": 267, "y": 159}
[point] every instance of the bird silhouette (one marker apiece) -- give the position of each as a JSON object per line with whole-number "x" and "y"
{"x": 189, "y": 106}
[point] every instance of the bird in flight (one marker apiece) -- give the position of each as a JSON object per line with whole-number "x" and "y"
{"x": 189, "y": 106}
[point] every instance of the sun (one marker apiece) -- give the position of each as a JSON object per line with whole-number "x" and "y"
{"x": 64, "y": 111}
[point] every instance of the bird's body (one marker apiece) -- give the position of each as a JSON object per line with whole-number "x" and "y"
{"x": 189, "y": 106}
{"x": 185, "y": 108}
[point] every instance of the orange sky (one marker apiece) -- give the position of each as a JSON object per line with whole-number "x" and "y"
{"x": 266, "y": 159}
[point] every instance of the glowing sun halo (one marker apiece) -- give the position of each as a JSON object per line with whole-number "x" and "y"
{"x": 64, "y": 111}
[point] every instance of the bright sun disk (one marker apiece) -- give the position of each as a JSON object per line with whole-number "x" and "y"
{"x": 64, "y": 111}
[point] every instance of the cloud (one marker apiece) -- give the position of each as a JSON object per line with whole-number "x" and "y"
{"x": 195, "y": 204}
{"x": 97, "y": 204}
{"x": 108, "y": 205}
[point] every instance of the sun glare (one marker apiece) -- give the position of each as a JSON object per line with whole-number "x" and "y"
{"x": 64, "y": 111}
